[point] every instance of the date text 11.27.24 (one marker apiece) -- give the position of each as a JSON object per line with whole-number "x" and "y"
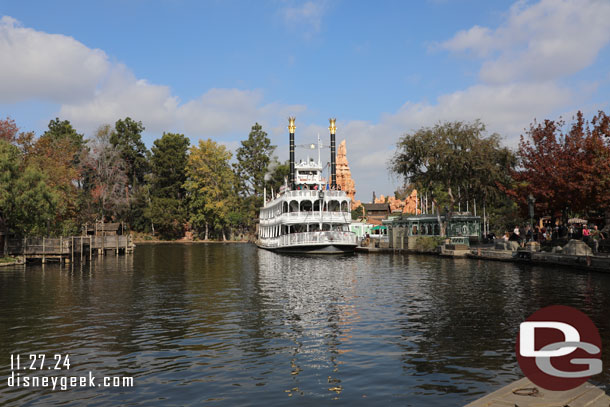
{"x": 39, "y": 361}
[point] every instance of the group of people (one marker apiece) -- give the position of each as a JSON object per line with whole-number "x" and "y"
{"x": 590, "y": 235}
{"x": 315, "y": 187}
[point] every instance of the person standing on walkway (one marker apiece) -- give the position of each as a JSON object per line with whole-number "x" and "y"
{"x": 596, "y": 236}
{"x": 585, "y": 233}
{"x": 517, "y": 235}
{"x": 528, "y": 234}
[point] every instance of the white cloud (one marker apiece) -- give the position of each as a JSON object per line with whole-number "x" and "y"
{"x": 225, "y": 111}
{"x": 308, "y": 14}
{"x": 543, "y": 41}
{"x": 121, "y": 95}
{"x": 52, "y": 67}
{"x": 92, "y": 91}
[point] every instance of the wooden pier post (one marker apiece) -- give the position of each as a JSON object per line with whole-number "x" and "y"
{"x": 44, "y": 258}
{"x": 90, "y": 247}
{"x": 72, "y": 250}
{"x": 81, "y": 247}
{"x": 116, "y": 251}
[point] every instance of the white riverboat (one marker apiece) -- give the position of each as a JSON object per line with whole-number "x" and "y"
{"x": 309, "y": 214}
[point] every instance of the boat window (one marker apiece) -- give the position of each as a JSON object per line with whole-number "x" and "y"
{"x": 294, "y": 206}
{"x": 344, "y": 206}
{"x": 333, "y": 206}
{"x": 306, "y": 206}
{"x": 285, "y": 207}
{"x": 414, "y": 230}
{"x": 325, "y": 226}
{"x": 316, "y": 205}
{"x": 437, "y": 229}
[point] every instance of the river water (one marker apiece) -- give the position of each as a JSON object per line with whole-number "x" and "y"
{"x": 228, "y": 324}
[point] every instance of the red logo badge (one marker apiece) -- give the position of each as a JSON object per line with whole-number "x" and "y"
{"x": 559, "y": 348}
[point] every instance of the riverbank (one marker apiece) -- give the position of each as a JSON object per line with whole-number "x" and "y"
{"x": 146, "y": 241}
{"x": 597, "y": 263}
{"x": 10, "y": 261}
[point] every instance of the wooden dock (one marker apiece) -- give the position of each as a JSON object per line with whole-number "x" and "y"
{"x": 524, "y": 393}
{"x": 68, "y": 248}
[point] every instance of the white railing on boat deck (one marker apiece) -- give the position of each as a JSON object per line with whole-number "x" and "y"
{"x": 313, "y": 193}
{"x": 309, "y": 216}
{"x": 307, "y": 238}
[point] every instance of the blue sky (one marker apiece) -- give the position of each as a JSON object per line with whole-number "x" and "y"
{"x": 210, "y": 69}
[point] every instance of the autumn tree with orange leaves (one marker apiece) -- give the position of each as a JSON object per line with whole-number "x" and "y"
{"x": 567, "y": 170}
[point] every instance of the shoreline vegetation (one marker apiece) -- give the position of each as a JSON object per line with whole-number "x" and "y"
{"x": 183, "y": 241}
{"x": 10, "y": 261}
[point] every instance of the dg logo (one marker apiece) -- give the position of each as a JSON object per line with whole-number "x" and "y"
{"x": 559, "y": 348}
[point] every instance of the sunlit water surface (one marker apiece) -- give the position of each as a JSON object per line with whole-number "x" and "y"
{"x": 228, "y": 324}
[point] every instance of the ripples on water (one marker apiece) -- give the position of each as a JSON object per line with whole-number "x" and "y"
{"x": 233, "y": 325}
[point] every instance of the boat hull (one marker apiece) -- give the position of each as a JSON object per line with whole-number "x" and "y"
{"x": 313, "y": 249}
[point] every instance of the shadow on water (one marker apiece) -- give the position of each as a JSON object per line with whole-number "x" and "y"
{"x": 230, "y": 324}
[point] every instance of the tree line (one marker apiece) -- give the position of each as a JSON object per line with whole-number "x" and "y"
{"x": 54, "y": 184}
{"x": 564, "y": 167}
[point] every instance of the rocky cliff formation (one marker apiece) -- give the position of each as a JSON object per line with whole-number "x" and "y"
{"x": 406, "y": 206}
{"x": 344, "y": 175}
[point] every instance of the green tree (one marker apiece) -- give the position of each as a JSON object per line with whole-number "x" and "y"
{"x": 253, "y": 158}
{"x": 358, "y": 213}
{"x": 168, "y": 166}
{"x": 127, "y": 138}
{"x": 62, "y": 129}
{"x": 210, "y": 187}
{"x": 27, "y": 204}
{"x": 168, "y": 216}
{"x": 456, "y": 158}
{"x": 276, "y": 174}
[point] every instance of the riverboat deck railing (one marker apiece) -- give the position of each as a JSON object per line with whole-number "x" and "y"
{"x": 309, "y": 238}
{"x": 313, "y": 193}
{"x": 312, "y": 216}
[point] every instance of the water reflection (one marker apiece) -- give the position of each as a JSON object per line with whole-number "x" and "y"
{"x": 232, "y": 324}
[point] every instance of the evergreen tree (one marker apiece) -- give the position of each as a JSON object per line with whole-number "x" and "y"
{"x": 168, "y": 164}
{"x": 253, "y": 158}
{"x": 127, "y": 138}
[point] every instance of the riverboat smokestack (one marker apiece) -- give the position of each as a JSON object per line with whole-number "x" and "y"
{"x": 333, "y": 154}
{"x": 291, "y": 128}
